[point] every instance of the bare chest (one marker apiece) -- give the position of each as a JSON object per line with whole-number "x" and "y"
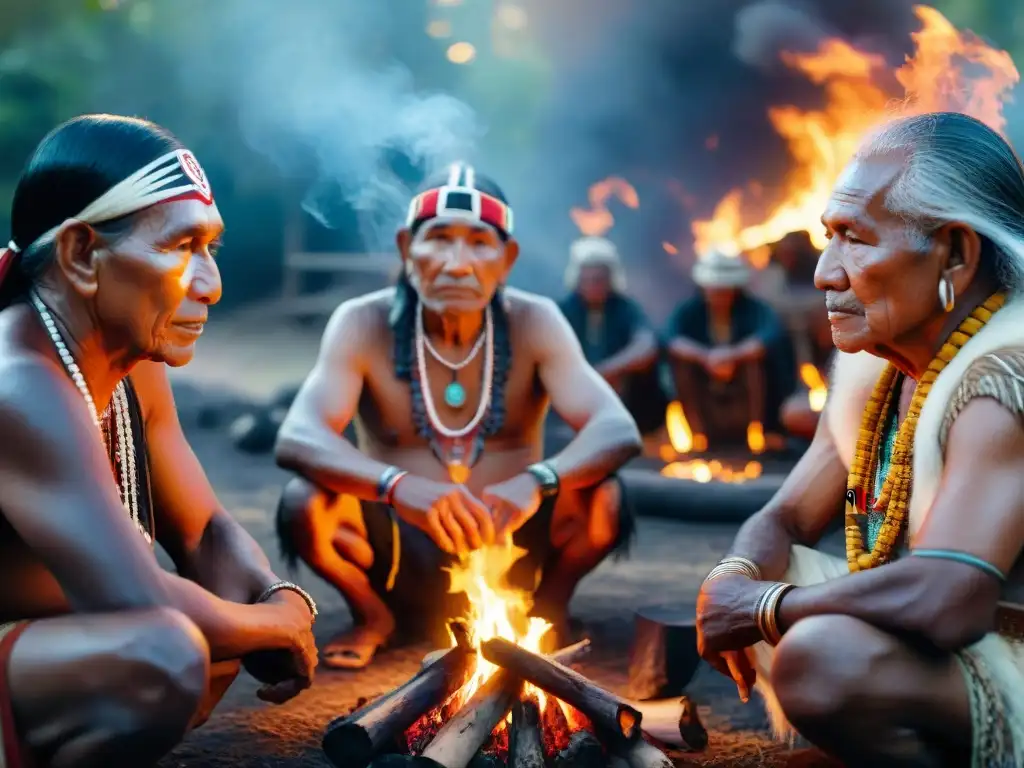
{"x": 454, "y": 397}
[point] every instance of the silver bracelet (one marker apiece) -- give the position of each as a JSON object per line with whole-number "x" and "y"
{"x": 273, "y": 589}
{"x": 735, "y": 566}
{"x": 766, "y": 614}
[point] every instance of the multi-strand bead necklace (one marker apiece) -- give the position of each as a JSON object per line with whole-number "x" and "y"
{"x": 894, "y": 499}
{"x": 116, "y": 419}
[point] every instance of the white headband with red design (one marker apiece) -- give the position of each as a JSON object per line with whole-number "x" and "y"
{"x": 174, "y": 176}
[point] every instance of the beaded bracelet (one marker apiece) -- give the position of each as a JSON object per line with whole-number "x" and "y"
{"x": 735, "y": 566}
{"x": 273, "y": 589}
{"x": 766, "y": 614}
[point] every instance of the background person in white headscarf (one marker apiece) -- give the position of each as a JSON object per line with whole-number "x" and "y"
{"x": 617, "y": 338}
{"x": 732, "y": 359}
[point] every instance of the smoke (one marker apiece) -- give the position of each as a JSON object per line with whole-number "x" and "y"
{"x": 313, "y": 94}
{"x": 350, "y": 103}
{"x": 674, "y": 98}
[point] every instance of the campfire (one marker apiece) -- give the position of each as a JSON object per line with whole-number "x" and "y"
{"x": 682, "y": 442}
{"x": 494, "y": 699}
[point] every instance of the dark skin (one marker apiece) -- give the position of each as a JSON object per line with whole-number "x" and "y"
{"x": 594, "y": 287}
{"x": 902, "y": 621}
{"x": 456, "y": 267}
{"x": 124, "y": 308}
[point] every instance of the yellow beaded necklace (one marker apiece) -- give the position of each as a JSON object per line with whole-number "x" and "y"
{"x": 895, "y": 496}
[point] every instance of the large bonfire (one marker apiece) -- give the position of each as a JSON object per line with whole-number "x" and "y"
{"x": 948, "y": 71}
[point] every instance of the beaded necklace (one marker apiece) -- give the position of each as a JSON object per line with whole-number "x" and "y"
{"x": 116, "y": 419}
{"x": 462, "y": 452}
{"x": 894, "y": 499}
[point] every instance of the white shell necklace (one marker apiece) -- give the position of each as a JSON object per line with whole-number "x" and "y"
{"x": 488, "y": 376}
{"x": 127, "y": 485}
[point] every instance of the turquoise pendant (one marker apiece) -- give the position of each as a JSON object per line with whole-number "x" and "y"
{"x": 455, "y": 395}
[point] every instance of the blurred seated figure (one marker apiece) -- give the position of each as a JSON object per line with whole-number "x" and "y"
{"x": 732, "y": 359}
{"x": 613, "y": 330}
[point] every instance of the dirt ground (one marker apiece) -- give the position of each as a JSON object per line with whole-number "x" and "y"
{"x": 666, "y": 565}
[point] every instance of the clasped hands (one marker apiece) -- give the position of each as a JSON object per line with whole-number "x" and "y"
{"x": 459, "y": 522}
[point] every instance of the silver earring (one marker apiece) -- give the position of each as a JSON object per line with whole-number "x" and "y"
{"x": 946, "y": 296}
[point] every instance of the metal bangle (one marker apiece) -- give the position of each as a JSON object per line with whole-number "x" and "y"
{"x": 766, "y": 614}
{"x": 386, "y": 485}
{"x": 735, "y": 565}
{"x": 273, "y": 589}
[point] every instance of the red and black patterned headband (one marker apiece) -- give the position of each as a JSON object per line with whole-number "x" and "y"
{"x": 460, "y": 198}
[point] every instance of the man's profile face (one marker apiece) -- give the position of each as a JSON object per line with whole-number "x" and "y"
{"x": 595, "y": 284}
{"x": 456, "y": 265}
{"x": 158, "y": 282}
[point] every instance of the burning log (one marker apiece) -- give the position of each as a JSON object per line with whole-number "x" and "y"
{"x": 605, "y": 710}
{"x": 674, "y": 722}
{"x": 353, "y": 741}
{"x": 461, "y": 737}
{"x": 654, "y": 495}
{"x": 568, "y": 655}
{"x": 664, "y": 656}
{"x": 525, "y": 747}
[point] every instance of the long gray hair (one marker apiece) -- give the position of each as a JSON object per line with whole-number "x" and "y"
{"x": 958, "y": 169}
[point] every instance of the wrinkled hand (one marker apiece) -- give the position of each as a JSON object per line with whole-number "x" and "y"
{"x": 721, "y": 363}
{"x": 512, "y": 503}
{"x": 456, "y": 520}
{"x": 726, "y": 627}
{"x": 287, "y": 671}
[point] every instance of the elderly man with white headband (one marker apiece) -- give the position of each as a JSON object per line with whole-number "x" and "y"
{"x": 732, "y": 358}
{"x": 616, "y": 336}
{"x": 448, "y": 378}
{"x": 107, "y": 659}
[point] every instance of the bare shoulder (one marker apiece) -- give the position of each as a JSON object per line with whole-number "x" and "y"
{"x": 38, "y": 404}
{"x": 534, "y": 312}
{"x": 360, "y": 322}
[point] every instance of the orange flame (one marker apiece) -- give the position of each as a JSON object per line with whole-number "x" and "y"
{"x": 597, "y": 220}
{"x": 683, "y": 441}
{"x": 817, "y": 391}
{"x": 495, "y": 609}
{"x": 821, "y": 142}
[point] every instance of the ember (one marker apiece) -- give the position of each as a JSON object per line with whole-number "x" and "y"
{"x": 494, "y": 694}
{"x": 597, "y": 220}
{"x": 949, "y": 70}
{"x": 683, "y": 441}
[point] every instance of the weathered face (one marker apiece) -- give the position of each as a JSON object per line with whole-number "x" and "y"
{"x": 595, "y": 284}
{"x": 879, "y": 277}
{"x": 156, "y": 284}
{"x": 456, "y": 266}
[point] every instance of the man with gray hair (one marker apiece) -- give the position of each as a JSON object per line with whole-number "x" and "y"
{"x": 613, "y": 330}
{"x": 910, "y": 649}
